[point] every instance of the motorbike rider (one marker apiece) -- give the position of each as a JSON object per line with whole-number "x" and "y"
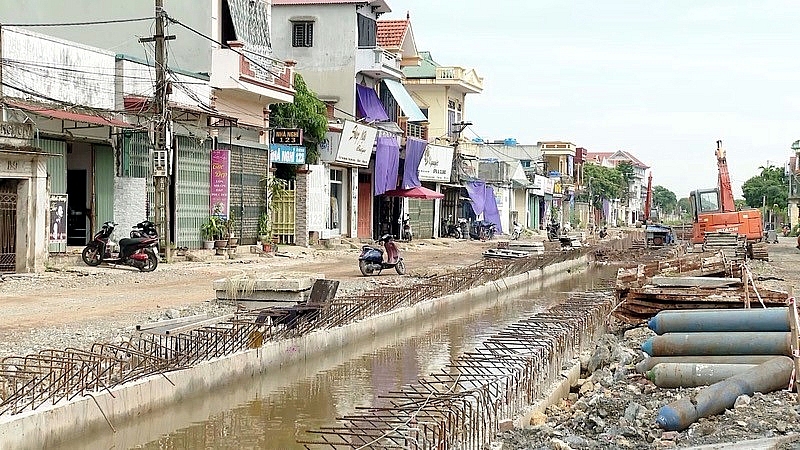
{"x": 603, "y": 233}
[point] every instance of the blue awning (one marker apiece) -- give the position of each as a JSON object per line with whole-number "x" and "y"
{"x": 404, "y": 100}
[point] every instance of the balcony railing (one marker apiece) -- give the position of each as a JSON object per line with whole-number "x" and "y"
{"x": 413, "y": 129}
{"x": 459, "y": 75}
{"x": 378, "y": 63}
{"x": 234, "y": 69}
{"x": 794, "y": 185}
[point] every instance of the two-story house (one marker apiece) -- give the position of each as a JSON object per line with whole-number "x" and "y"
{"x": 559, "y": 167}
{"x": 632, "y": 210}
{"x": 222, "y": 44}
{"x": 335, "y": 44}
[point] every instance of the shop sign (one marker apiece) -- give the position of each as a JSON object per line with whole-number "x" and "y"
{"x": 538, "y": 185}
{"x": 57, "y": 229}
{"x": 549, "y": 185}
{"x": 287, "y": 154}
{"x": 436, "y": 163}
{"x": 220, "y": 182}
{"x": 288, "y": 136}
{"x": 15, "y": 133}
{"x": 356, "y": 144}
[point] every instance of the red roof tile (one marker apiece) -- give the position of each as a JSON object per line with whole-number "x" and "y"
{"x": 391, "y": 33}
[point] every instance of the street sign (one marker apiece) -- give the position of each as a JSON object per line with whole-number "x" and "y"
{"x": 288, "y": 136}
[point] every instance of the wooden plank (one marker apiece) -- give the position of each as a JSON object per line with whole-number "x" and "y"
{"x": 702, "y": 282}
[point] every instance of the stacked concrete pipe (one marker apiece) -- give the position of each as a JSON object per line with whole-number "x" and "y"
{"x": 732, "y": 351}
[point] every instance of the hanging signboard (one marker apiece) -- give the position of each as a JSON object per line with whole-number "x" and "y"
{"x": 220, "y": 182}
{"x": 436, "y": 163}
{"x": 538, "y": 185}
{"x": 287, "y": 154}
{"x": 356, "y": 144}
{"x": 288, "y": 136}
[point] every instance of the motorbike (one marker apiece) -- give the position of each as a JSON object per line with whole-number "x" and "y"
{"x": 136, "y": 252}
{"x": 408, "y": 234}
{"x": 553, "y": 231}
{"x": 786, "y": 230}
{"x": 451, "y": 229}
{"x": 482, "y": 230}
{"x": 374, "y": 259}
{"x": 516, "y": 231}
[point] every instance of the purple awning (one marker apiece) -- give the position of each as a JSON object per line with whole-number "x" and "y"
{"x": 415, "y": 148}
{"x": 477, "y": 193}
{"x": 387, "y": 161}
{"x": 369, "y": 105}
{"x": 484, "y": 202}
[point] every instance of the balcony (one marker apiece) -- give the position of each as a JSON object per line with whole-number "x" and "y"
{"x": 254, "y": 75}
{"x": 466, "y": 79}
{"x": 794, "y": 186}
{"x": 378, "y": 63}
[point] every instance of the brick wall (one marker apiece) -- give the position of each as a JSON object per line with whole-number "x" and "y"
{"x": 130, "y": 204}
{"x": 301, "y": 209}
{"x": 247, "y": 195}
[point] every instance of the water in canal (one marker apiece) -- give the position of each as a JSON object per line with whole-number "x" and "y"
{"x": 274, "y": 410}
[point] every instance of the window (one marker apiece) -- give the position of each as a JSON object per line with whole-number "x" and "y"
{"x": 367, "y": 32}
{"x": 337, "y": 198}
{"x": 302, "y": 34}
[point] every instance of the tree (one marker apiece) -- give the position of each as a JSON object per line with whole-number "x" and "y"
{"x": 602, "y": 183}
{"x": 664, "y": 199}
{"x": 625, "y": 169}
{"x": 685, "y": 209}
{"x": 307, "y": 112}
{"x": 769, "y": 188}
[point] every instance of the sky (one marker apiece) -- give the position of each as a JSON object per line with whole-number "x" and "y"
{"x": 662, "y": 79}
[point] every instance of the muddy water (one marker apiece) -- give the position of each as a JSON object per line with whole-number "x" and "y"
{"x": 275, "y": 410}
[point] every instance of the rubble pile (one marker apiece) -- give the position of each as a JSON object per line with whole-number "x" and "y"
{"x": 612, "y": 406}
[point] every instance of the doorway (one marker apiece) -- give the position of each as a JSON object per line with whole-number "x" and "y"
{"x": 78, "y": 215}
{"x": 8, "y": 226}
{"x": 364, "y": 206}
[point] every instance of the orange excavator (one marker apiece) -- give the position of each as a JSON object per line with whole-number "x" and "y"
{"x": 714, "y": 211}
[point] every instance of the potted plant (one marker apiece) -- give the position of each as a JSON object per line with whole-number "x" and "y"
{"x": 220, "y": 237}
{"x": 264, "y": 229}
{"x": 230, "y": 232}
{"x": 208, "y": 231}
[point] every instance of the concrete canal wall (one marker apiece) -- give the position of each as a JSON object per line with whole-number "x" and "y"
{"x": 99, "y": 412}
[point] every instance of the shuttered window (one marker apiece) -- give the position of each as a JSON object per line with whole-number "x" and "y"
{"x": 302, "y": 34}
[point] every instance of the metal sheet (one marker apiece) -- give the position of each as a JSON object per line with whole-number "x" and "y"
{"x": 193, "y": 169}
{"x": 103, "y": 184}
{"x": 57, "y": 176}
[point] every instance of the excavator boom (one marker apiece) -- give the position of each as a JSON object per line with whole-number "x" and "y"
{"x": 648, "y": 200}
{"x": 724, "y": 182}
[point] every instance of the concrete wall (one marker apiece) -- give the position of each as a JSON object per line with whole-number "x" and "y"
{"x": 328, "y": 67}
{"x": 130, "y": 204}
{"x": 83, "y": 416}
{"x": 188, "y": 51}
{"x": 63, "y": 70}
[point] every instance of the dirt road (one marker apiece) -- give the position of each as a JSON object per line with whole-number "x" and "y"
{"x": 79, "y": 305}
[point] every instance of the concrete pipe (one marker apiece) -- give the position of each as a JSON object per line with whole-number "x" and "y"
{"x": 648, "y": 363}
{"x": 711, "y": 320}
{"x": 667, "y": 375}
{"x": 767, "y": 377}
{"x": 707, "y": 344}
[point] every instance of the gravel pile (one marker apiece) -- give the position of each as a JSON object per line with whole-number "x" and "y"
{"x": 612, "y": 406}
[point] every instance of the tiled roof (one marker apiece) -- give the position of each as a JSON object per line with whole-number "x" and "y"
{"x": 391, "y": 33}
{"x": 618, "y": 156}
{"x": 426, "y": 68}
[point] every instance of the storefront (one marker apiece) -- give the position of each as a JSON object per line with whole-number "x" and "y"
{"x": 434, "y": 171}
{"x": 346, "y": 156}
{"x": 23, "y": 200}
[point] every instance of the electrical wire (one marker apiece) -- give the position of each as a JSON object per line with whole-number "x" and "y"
{"x": 73, "y": 24}
{"x": 240, "y": 53}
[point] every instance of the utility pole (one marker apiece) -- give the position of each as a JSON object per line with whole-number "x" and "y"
{"x": 161, "y": 148}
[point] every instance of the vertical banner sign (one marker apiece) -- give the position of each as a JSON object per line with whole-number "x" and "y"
{"x": 58, "y": 219}
{"x": 220, "y": 182}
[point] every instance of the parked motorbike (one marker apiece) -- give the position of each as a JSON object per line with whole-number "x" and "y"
{"x": 482, "y": 230}
{"x": 136, "y": 252}
{"x": 516, "y": 231}
{"x": 374, "y": 259}
{"x": 451, "y": 229}
{"x": 786, "y": 230}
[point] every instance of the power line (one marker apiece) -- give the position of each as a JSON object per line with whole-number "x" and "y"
{"x": 258, "y": 64}
{"x": 72, "y": 24}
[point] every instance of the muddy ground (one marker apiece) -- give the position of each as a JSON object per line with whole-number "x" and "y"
{"x": 73, "y": 305}
{"x": 615, "y": 407}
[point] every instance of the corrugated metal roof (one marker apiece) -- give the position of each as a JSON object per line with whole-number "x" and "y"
{"x": 74, "y": 116}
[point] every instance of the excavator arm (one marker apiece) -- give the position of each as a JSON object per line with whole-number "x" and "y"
{"x": 724, "y": 182}
{"x": 648, "y": 200}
